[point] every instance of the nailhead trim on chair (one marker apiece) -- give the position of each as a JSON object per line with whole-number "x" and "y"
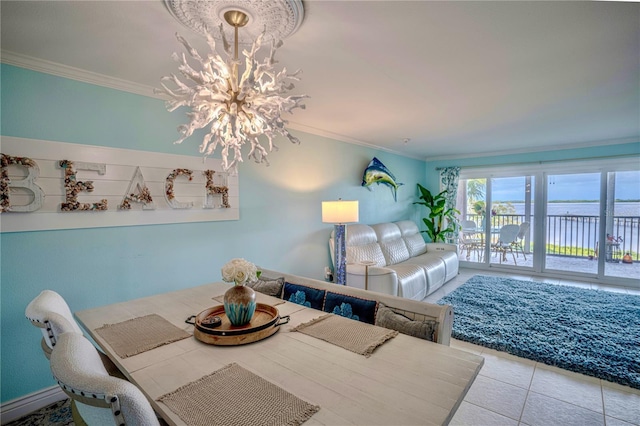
{"x": 112, "y": 400}
{"x": 115, "y": 409}
{"x": 52, "y": 337}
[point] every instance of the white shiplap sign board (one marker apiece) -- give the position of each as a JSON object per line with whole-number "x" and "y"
{"x": 121, "y": 168}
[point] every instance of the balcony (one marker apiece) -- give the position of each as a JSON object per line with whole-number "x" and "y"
{"x": 572, "y": 244}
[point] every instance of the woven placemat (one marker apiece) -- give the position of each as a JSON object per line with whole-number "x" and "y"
{"x": 355, "y": 336}
{"x": 235, "y": 396}
{"x": 141, "y": 334}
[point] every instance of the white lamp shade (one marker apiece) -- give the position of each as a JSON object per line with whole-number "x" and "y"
{"x": 339, "y": 211}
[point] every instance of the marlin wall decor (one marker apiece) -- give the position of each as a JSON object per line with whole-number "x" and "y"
{"x": 376, "y": 172}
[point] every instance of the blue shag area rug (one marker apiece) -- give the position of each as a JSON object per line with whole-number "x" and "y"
{"x": 592, "y": 332}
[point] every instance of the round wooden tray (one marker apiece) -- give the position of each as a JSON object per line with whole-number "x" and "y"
{"x": 265, "y": 321}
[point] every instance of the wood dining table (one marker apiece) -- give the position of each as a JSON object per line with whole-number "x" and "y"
{"x": 405, "y": 381}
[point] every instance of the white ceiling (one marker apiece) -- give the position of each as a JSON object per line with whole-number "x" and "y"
{"x": 457, "y": 78}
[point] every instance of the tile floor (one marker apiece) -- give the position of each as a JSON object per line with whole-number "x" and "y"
{"x": 515, "y": 391}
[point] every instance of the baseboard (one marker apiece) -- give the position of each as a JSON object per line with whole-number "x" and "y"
{"x": 16, "y": 408}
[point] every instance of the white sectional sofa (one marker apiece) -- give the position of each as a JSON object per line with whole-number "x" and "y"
{"x": 401, "y": 263}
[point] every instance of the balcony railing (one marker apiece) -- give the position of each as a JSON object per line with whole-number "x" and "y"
{"x": 577, "y": 236}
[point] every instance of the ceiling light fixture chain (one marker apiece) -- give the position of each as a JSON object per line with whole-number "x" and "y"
{"x": 236, "y": 110}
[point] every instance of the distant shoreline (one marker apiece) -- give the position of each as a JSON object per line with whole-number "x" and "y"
{"x": 569, "y": 201}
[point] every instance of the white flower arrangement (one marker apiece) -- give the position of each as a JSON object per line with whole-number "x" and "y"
{"x": 240, "y": 271}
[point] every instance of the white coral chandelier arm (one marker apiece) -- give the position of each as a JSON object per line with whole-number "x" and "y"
{"x": 237, "y": 110}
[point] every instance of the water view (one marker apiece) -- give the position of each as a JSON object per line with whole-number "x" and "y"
{"x": 582, "y": 209}
{"x": 576, "y": 225}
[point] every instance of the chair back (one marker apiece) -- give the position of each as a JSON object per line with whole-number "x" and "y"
{"x": 468, "y": 226}
{"x": 100, "y": 399}
{"x": 508, "y": 233}
{"x": 49, "y": 312}
{"x": 524, "y": 228}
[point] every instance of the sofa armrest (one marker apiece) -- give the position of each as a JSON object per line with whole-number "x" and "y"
{"x": 380, "y": 279}
{"x": 435, "y": 247}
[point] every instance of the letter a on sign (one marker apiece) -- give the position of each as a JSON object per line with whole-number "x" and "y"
{"x": 138, "y": 192}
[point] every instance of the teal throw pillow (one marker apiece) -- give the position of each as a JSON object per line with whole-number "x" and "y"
{"x": 303, "y": 295}
{"x": 351, "y": 307}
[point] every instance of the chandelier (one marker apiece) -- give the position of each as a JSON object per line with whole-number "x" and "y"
{"x": 237, "y": 109}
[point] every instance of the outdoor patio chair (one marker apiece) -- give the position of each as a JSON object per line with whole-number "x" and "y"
{"x": 469, "y": 240}
{"x": 508, "y": 234}
{"x": 518, "y": 244}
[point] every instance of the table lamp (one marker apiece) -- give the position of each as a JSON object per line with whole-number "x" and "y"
{"x": 339, "y": 213}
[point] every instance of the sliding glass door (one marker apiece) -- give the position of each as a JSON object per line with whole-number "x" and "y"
{"x": 572, "y": 222}
{"x": 471, "y": 202}
{"x": 573, "y": 219}
{"x": 491, "y": 206}
{"x": 592, "y": 222}
{"x": 511, "y": 212}
{"x": 622, "y": 223}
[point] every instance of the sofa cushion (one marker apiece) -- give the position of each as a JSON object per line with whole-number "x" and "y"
{"x": 303, "y": 295}
{"x": 411, "y": 280}
{"x": 395, "y": 251}
{"x": 452, "y": 264}
{"x": 407, "y": 227}
{"x": 369, "y": 252}
{"x": 415, "y": 244}
{"x": 434, "y": 269}
{"x": 412, "y": 237}
{"x": 351, "y": 307}
{"x": 388, "y": 318}
{"x": 391, "y": 243}
{"x": 269, "y": 286}
{"x": 359, "y": 234}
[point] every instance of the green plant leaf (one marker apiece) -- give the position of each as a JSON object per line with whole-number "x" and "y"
{"x": 438, "y": 214}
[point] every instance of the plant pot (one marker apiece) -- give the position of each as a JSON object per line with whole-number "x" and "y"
{"x": 239, "y": 304}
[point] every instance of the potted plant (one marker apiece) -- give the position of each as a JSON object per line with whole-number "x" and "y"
{"x": 442, "y": 221}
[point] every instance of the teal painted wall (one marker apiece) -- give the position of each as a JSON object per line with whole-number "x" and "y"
{"x": 280, "y": 223}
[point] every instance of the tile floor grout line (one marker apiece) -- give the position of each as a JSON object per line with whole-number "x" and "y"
{"x": 566, "y": 402}
{"x": 604, "y": 408}
{"x": 525, "y": 402}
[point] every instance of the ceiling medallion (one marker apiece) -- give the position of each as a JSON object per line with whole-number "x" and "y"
{"x": 278, "y": 18}
{"x": 235, "y": 106}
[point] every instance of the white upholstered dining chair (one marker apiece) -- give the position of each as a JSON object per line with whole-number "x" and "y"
{"x": 99, "y": 399}
{"x": 51, "y": 314}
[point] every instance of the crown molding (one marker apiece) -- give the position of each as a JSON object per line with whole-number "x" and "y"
{"x": 77, "y": 74}
{"x": 346, "y": 139}
{"x": 59, "y": 70}
{"x": 580, "y": 145}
